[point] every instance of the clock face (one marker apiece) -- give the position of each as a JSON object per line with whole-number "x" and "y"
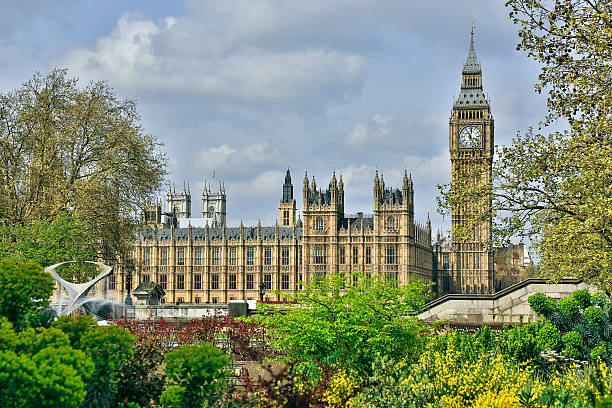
{"x": 469, "y": 136}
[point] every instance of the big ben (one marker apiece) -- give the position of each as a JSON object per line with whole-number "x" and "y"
{"x": 471, "y": 147}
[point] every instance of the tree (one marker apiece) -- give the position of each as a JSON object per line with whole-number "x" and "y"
{"x": 345, "y": 322}
{"x": 79, "y": 151}
{"x": 196, "y": 376}
{"x": 24, "y": 289}
{"x": 556, "y": 188}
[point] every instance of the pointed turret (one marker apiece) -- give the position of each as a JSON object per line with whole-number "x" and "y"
{"x": 288, "y": 189}
{"x": 472, "y": 65}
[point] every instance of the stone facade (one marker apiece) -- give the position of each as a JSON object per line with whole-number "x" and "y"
{"x": 213, "y": 263}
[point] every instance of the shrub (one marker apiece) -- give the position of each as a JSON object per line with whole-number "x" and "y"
{"x": 542, "y": 304}
{"x": 338, "y": 323}
{"x": 593, "y": 314}
{"x": 582, "y": 297}
{"x": 572, "y": 341}
{"x": 196, "y": 375}
{"x": 569, "y": 306}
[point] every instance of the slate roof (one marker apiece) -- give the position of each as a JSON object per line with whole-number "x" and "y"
{"x": 391, "y": 196}
{"x": 354, "y": 223}
{"x": 472, "y": 65}
{"x": 231, "y": 233}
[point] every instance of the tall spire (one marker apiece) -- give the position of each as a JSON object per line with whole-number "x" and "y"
{"x": 288, "y": 189}
{"x": 472, "y": 65}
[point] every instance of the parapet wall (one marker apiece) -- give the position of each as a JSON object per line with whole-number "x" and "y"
{"x": 505, "y": 306}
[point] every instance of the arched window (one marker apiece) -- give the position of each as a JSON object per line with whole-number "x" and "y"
{"x": 390, "y": 224}
{"x": 319, "y": 224}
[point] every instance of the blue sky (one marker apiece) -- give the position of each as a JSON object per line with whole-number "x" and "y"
{"x": 251, "y": 87}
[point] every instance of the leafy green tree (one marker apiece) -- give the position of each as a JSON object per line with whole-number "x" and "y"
{"x": 82, "y": 151}
{"x": 47, "y": 242}
{"x": 25, "y": 289}
{"x": 347, "y": 322}
{"x": 196, "y": 376}
{"x": 556, "y": 188}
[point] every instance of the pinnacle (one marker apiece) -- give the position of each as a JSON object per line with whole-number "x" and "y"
{"x": 472, "y": 65}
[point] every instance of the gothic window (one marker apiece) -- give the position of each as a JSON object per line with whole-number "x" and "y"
{"x": 300, "y": 259}
{"x": 368, "y": 255}
{"x": 232, "y": 281}
{"x": 197, "y": 281}
{"x": 286, "y": 217}
{"x": 268, "y": 281}
{"x": 250, "y": 278}
{"x": 198, "y": 257}
{"x": 355, "y": 280}
{"x": 145, "y": 278}
{"x": 214, "y": 284}
{"x": 391, "y": 255}
{"x": 391, "y": 224}
{"x": 319, "y": 255}
{"x": 355, "y": 255}
{"x": 180, "y": 257}
{"x": 285, "y": 256}
{"x": 180, "y": 281}
{"x": 197, "y": 300}
{"x": 250, "y": 256}
{"x": 146, "y": 257}
{"x": 211, "y": 211}
{"x": 163, "y": 281}
{"x": 163, "y": 258}
{"x": 215, "y": 300}
{"x": 341, "y": 255}
{"x": 215, "y": 256}
{"x": 268, "y": 256}
{"x": 300, "y": 281}
{"x": 111, "y": 282}
{"x": 180, "y": 300}
{"x": 232, "y": 256}
{"x": 285, "y": 281}
{"x": 319, "y": 224}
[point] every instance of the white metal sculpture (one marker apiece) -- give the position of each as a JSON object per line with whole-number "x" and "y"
{"x": 76, "y": 291}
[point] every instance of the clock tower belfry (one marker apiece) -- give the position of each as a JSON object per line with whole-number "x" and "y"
{"x": 471, "y": 145}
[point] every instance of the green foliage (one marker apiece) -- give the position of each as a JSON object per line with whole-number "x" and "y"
{"x": 196, "y": 375}
{"x": 79, "y": 151}
{"x": 48, "y": 242}
{"x": 109, "y": 348}
{"x": 542, "y": 304}
{"x": 25, "y": 289}
{"x": 593, "y": 314}
{"x": 572, "y": 341}
{"x": 582, "y": 297}
{"x": 39, "y": 368}
{"x": 569, "y": 306}
{"x": 75, "y": 327}
{"x": 336, "y": 322}
{"x": 140, "y": 379}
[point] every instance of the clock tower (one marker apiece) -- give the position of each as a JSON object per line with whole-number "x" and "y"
{"x": 471, "y": 151}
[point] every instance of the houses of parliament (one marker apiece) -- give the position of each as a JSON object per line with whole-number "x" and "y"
{"x": 201, "y": 260}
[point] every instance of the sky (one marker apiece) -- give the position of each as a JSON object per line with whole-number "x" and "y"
{"x": 245, "y": 89}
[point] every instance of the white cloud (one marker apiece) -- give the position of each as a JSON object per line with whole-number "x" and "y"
{"x": 376, "y": 130}
{"x": 178, "y": 55}
{"x": 226, "y": 160}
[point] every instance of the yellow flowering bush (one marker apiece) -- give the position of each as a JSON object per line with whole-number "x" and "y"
{"x": 341, "y": 387}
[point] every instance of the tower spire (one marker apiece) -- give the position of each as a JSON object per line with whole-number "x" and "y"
{"x": 472, "y": 65}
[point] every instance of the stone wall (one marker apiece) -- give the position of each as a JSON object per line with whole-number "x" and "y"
{"x": 181, "y": 311}
{"x": 505, "y": 306}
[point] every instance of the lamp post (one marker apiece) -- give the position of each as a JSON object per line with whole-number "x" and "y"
{"x": 262, "y": 291}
